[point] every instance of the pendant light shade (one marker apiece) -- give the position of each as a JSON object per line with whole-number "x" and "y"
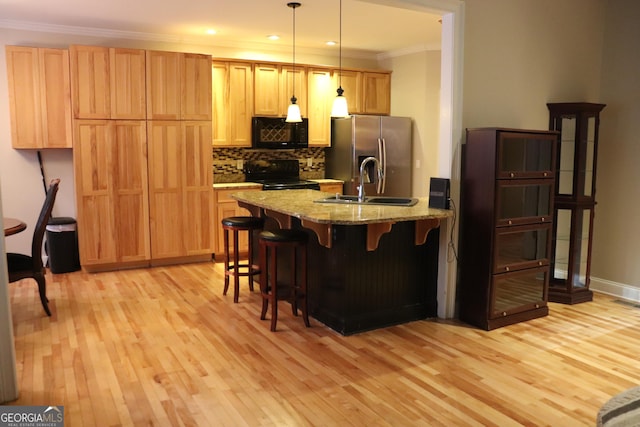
{"x": 293, "y": 112}
{"x": 340, "y": 108}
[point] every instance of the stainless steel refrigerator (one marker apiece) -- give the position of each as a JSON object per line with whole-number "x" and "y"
{"x": 357, "y": 137}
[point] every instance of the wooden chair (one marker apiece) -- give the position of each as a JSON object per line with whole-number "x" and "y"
{"x": 237, "y": 269}
{"x": 30, "y": 267}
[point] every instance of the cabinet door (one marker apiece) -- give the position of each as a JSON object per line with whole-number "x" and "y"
{"x": 526, "y": 155}
{"x": 166, "y": 160}
{"x": 93, "y": 161}
{"x": 219, "y": 103}
{"x": 90, "y": 85}
{"x": 55, "y": 98}
{"x": 131, "y": 193}
{"x": 290, "y": 78}
{"x": 232, "y": 104}
{"x": 39, "y": 97}
{"x": 521, "y": 247}
{"x": 163, "y": 85}
{"x": 110, "y": 167}
{"x": 228, "y": 207}
{"x": 352, "y": 86}
{"x": 266, "y": 84}
{"x": 519, "y": 291}
{"x": 127, "y": 83}
{"x": 525, "y": 201}
{"x": 331, "y": 188}
{"x": 196, "y": 87}
{"x": 320, "y": 100}
{"x": 24, "y": 93}
{"x": 376, "y": 93}
{"x": 197, "y": 172}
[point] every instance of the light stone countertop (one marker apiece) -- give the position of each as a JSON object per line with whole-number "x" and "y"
{"x": 300, "y": 204}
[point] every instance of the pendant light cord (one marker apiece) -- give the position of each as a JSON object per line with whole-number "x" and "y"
{"x": 293, "y": 89}
{"x": 340, "y": 48}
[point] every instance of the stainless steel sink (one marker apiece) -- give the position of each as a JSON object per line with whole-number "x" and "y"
{"x": 375, "y": 200}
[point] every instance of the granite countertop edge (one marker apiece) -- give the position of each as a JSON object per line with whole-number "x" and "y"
{"x": 301, "y": 204}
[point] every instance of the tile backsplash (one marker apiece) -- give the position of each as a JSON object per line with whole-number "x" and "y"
{"x": 228, "y": 162}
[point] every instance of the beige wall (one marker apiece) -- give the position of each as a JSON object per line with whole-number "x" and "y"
{"x": 616, "y": 242}
{"x": 415, "y": 92}
{"x": 521, "y": 54}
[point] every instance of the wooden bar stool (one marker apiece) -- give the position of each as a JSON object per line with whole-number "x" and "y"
{"x": 236, "y": 224}
{"x": 271, "y": 289}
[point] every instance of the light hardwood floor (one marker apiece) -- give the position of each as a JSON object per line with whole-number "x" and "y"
{"x": 163, "y": 347}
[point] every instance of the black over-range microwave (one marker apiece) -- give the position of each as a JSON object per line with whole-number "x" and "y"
{"x": 275, "y": 132}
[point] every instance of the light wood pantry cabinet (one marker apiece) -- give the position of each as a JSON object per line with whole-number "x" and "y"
{"x": 232, "y": 103}
{"x": 227, "y": 207}
{"x": 508, "y": 182}
{"x": 178, "y": 86}
{"x": 376, "y": 93}
{"x": 39, "y": 97}
{"x": 320, "y": 100}
{"x": 107, "y": 83}
{"x": 110, "y": 167}
{"x": 180, "y": 189}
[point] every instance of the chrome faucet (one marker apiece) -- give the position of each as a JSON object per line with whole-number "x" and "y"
{"x": 361, "y": 194}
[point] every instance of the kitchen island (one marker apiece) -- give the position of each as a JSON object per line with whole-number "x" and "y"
{"x": 370, "y": 266}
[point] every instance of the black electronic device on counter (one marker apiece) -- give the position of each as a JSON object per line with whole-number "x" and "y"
{"x": 439, "y": 193}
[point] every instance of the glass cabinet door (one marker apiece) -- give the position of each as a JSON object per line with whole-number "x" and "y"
{"x": 524, "y": 201}
{"x": 521, "y": 155}
{"x": 572, "y": 247}
{"x": 518, "y": 291}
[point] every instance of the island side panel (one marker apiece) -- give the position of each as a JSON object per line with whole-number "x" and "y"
{"x": 354, "y": 290}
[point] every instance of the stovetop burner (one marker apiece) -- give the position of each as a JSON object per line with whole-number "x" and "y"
{"x": 277, "y": 174}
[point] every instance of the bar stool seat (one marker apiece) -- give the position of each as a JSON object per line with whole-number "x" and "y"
{"x": 272, "y": 289}
{"x": 238, "y": 269}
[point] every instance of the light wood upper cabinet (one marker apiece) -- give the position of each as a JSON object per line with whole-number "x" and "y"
{"x": 232, "y": 103}
{"x": 274, "y": 86}
{"x": 110, "y": 167}
{"x": 376, "y": 93}
{"x": 196, "y": 87}
{"x": 178, "y": 86}
{"x": 163, "y": 85}
{"x": 266, "y": 84}
{"x": 127, "y": 83}
{"x": 107, "y": 83}
{"x": 352, "y": 86}
{"x": 39, "y": 97}
{"x": 288, "y": 78}
{"x": 320, "y": 99}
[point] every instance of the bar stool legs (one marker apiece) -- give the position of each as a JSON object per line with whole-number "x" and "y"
{"x": 239, "y": 269}
{"x": 272, "y": 289}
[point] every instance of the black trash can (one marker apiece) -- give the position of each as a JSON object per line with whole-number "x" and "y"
{"x": 62, "y": 245}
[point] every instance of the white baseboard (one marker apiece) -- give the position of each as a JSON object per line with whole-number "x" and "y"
{"x": 616, "y": 289}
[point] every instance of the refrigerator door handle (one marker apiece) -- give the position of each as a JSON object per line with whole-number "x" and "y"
{"x": 382, "y": 156}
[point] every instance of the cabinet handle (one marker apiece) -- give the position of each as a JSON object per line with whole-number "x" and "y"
{"x": 504, "y": 314}
{"x": 539, "y": 262}
{"x": 544, "y": 174}
{"x": 537, "y": 305}
{"x": 510, "y": 222}
{"x": 506, "y": 268}
{"x": 542, "y": 219}
{"x": 512, "y": 174}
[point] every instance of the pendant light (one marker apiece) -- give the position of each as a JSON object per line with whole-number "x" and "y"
{"x": 293, "y": 112}
{"x": 340, "y": 108}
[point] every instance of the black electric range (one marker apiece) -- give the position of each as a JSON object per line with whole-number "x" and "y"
{"x": 277, "y": 174}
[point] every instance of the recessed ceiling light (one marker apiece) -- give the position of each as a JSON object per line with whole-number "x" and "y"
{"x": 331, "y": 43}
{"x": 273, "y": 37}
{"x": 211, "y": 31}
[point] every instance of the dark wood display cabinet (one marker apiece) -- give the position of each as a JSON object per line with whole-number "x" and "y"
{"x": 508, "y": 183}
{"x": 575, "y": 201}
